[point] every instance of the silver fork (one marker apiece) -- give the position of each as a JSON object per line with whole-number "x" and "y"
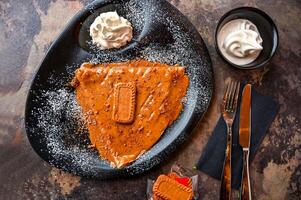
{"x": 228, "y": 107}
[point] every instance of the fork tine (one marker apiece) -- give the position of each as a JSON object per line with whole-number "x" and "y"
{"x": 226, "y": 92}
{"x": 232, "y": 95}
{"x": 236, "y": 95}
{"x": 228, "y": 105}
{"x": 226, "y": 96}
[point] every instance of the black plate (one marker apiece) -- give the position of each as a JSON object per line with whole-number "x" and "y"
{"x": 161, "y": 33}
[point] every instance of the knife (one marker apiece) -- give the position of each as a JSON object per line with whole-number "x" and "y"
{"x": 244, "y": 141}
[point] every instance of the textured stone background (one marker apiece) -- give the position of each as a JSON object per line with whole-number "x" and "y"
{"x": 29, "y": 26}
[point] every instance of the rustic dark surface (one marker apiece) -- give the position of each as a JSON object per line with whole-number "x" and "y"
{"x": 28, "y": 28}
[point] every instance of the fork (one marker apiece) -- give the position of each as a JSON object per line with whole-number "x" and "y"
{"x": 228, "y": 107}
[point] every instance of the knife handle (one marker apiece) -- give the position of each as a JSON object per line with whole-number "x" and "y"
{"x": 225, "y": 191}
{"x": 245, "y": 187}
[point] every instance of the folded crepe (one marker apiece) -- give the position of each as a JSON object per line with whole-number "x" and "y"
{"x": 128, "y": 105}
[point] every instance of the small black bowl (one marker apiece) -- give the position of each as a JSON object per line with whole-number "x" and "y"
{"x": 266, "y": 27}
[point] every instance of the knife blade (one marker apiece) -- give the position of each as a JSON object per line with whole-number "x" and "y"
{"x": 245, "y": 118}
{"x": 244, "y": 141}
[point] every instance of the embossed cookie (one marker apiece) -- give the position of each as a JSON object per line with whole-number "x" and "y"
{"x": 124, "y": 102}
{"x": 169, "y": 189}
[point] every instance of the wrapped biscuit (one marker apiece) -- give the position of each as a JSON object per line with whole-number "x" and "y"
{"x": 179, "y": 184}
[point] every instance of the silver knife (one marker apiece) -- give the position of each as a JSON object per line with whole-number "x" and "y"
{"x": 244, "y": 141}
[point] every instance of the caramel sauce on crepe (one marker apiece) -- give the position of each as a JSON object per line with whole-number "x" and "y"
{"x": 129, "y": 105}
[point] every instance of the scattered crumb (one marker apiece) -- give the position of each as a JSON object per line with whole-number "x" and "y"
{"x": 66, "y": 181}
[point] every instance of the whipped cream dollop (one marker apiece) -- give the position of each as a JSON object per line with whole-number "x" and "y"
{"x": 109, "y": 30}
{"x": 239, "y": 41}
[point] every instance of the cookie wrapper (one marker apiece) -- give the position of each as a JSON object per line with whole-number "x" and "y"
{"x": 180, "y": 171}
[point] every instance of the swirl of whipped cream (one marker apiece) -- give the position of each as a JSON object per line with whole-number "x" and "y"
{"x": 243, "y": 41}
{"x": 109, "y": 30}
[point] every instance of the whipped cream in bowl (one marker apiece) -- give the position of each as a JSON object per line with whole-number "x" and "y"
{"x": 246, "y": 38}
{"x": 239, "y": 41}
{"x": 109, "y": 30}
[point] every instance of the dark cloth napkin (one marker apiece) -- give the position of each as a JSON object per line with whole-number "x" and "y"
{"x": 264, "y": 110}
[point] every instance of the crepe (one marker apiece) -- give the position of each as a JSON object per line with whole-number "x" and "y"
{"x": 128, "y": 105}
